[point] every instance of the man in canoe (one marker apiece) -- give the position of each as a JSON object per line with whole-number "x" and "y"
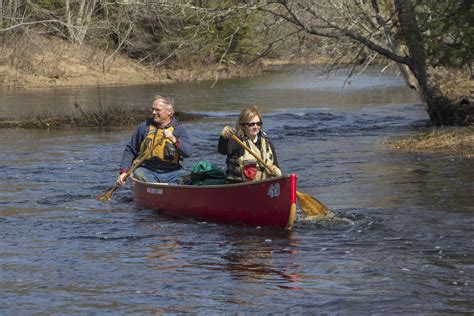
{"x": 164, "y": 142}
{"x": 241, "y": 165}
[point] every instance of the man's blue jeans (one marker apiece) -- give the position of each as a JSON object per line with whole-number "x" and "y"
{"x": 147, "y": 175}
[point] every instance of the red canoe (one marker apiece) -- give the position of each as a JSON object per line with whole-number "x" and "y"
{"x": 268, "y": 203}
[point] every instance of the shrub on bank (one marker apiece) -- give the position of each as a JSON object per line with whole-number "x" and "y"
{"x": 106, "y": 118}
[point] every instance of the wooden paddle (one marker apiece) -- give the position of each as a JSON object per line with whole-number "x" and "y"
{"x": 104, "y": 197}
{"x": 310, "y": 205}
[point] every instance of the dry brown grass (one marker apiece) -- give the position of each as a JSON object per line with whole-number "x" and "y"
{"x": 32, "y": 60}
{"x": 459, "y": 141}
{"x": 454, "y": 83}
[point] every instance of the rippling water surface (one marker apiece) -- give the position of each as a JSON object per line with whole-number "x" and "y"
{"x": 409, "y": 248}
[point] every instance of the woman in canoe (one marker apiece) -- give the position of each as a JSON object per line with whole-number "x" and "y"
{"x": 241, "y": 165}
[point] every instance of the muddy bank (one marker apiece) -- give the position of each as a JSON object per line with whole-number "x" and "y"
{"x": 99, "y": 119}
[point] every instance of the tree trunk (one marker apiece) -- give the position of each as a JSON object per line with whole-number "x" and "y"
{"x": 70, "y": 27}
{"x": 1, "y": 13}
{"x": 78, "y": 23}
{"x": 440, "y": 109}
{"x": 410, "y": 32}
{"x": 395, "y": 47}
{"x": 404, "y": 42}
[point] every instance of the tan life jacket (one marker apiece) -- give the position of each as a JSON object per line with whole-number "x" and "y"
{"x": 265, "y": 152}
{"x": 165, "y": 151}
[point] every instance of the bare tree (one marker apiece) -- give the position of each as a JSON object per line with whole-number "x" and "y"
{"x": 1, "y": 12}
{"x": 116, "y": 24}
{"x": 78, "y": 18}
{"x": 388, "y": 28}
{"x": 193, "y": 31}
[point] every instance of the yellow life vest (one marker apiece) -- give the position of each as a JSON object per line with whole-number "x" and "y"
{"x": 164, "y": 151}
{"x": 265, "y": 152}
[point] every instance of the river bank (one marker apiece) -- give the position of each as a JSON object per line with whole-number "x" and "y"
{"x": 455, "y": 140}
{"x": 49, "y": 62}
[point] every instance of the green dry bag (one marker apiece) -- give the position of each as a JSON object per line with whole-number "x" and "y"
{"x": 206, "y": 173}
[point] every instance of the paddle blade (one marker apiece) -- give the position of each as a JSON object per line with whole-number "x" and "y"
{"x": 311, "y": 206}
{"x": 107, "y": 195}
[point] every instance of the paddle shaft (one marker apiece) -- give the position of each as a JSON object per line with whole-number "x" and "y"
{"x": 142, "y": 158}
{"x": 106, "y": 196}
{"x": 247, "y": 148}
{"x": 311, "y": 205}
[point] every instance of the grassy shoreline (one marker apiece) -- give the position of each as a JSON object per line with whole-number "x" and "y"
{"x": 454, "y": 140}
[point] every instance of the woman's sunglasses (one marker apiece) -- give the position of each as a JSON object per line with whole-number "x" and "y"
{"x": 252, "y": 124}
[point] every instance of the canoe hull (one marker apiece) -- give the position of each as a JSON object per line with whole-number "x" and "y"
{"x": 268, "y": 203}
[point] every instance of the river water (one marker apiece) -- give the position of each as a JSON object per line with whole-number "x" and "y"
{"x": 408, "y": 250}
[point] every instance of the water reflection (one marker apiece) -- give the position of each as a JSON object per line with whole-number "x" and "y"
{"x": 247, "y": 255}
{"x": 260, "y": 258}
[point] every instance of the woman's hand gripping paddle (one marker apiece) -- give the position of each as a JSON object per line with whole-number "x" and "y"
{"x": 310, "y": 205}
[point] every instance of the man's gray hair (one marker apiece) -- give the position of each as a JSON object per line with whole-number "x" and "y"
{"x": 169, "y": 102}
